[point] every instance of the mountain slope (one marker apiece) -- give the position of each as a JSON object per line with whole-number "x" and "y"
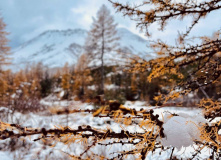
{"x": 54, "y": 48}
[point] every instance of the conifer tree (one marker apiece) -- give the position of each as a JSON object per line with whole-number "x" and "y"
{"x": 201, "y": 60}
{"x": 65, "y": 82}
{"x": 4, "y": 49}
{"x": 102, "y": 39}
{"x": 82, "y": 75}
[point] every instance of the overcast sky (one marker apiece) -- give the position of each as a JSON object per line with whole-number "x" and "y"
{"x": 26, "y": 19}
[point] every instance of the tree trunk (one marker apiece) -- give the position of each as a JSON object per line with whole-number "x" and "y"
{"x": 102, "y": 64}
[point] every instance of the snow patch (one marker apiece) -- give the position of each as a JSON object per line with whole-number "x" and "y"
{"x": 182, "y": 130}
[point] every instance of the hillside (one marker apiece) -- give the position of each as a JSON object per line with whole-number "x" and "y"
{"x": 54, "y": 48}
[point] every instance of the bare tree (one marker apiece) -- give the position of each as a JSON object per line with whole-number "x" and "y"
{"x": 102, "y": 38}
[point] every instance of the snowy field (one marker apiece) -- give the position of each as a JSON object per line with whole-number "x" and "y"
{"x": 182, "y": 135}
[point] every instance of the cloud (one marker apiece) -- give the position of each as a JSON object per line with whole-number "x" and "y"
{"x": 26, "y": 19}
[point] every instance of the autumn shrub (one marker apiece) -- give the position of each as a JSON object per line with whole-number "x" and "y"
{"x": 26, "y": 105}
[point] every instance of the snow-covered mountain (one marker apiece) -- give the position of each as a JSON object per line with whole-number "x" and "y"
{"x": 56, "y": 47}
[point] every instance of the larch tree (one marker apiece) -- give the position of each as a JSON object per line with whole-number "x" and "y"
{"x": 200, "y": 59}
{"x": 65, "y": 82}
{"x": 102, "y": 39}
{"x": 4, "y": 48}
{"x": 4, "y": 52}
{"x": 82, "y": 75}
{"x": 194, "y": 61}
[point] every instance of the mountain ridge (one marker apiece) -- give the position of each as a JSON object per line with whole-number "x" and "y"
{"x": 55, "y": 48}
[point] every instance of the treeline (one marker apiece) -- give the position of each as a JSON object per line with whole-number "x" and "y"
{"x": 72, "y": 83}
{"x": 68, "y": 83}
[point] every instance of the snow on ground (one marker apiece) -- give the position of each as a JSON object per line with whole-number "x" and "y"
{"x": 183, "y": 132}
{"x": 111, "y": 87}
{"x": 5, "y": 156}
{"x": 162, "y": 110}
{"x": 180, "y": 131}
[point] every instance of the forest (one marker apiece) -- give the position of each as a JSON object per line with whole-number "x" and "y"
{"x": 116, "y": 102}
